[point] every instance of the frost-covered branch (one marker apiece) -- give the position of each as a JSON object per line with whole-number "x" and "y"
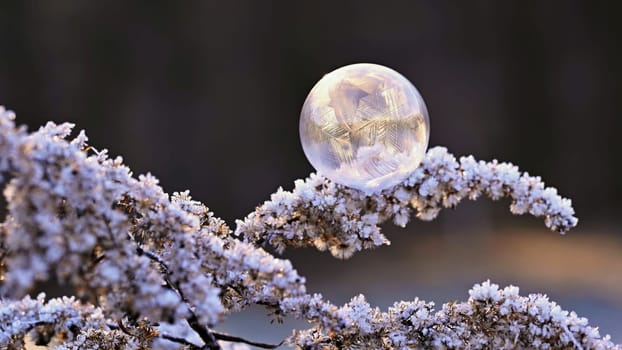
{"x": 330, "y": 216}
{"x": 146, "y": 262}
{"x": 491, "y": 318}
{"x": 85, "y": 220}
{"x": 61, "y": 318}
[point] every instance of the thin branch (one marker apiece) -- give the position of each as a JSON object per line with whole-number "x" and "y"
{"x": 168, "y": 337}
{"x": 231, "y": 338}
{"x": 154, "y": 257}
{"x": 179, "y": 341}
{"x": 204, "y": 333}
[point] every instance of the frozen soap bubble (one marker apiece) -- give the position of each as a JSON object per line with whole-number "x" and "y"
{"x": 364, "y": 126}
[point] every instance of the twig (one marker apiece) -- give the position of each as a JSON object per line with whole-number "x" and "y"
{"x": 179, "y": 340}
{"x": 168, "y": 337}
{"x": 204, "y": 333}
{"x": 208, "y": 336}
{"x": 154, "y": 257}
{"x": 231, "y": 338}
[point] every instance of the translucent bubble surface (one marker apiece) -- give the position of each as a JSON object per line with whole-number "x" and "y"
{"x": 364, "y": 126}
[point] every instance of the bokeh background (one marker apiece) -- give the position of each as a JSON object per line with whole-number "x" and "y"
{"x": 207, "y": 95}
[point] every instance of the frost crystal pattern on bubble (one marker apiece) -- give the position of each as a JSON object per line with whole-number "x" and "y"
{"x": 364, "y": 126}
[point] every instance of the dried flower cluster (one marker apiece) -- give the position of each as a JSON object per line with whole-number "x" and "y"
{"x": 58, "y": 317}
{"x": 491, "y": 318}
{"x": 323, "y": 214}
{"x": 142, "y": 262}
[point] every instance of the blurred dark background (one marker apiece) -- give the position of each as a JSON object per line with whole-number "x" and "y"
{"x": 207, "y": 95}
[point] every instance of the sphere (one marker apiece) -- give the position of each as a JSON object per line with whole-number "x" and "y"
{"x": 364, "y": 126}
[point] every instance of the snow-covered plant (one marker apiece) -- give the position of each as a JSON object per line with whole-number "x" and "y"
{"x": 141, "y": 262}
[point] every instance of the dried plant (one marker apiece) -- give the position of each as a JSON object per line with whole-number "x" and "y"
{"x": 141, "y": 262}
